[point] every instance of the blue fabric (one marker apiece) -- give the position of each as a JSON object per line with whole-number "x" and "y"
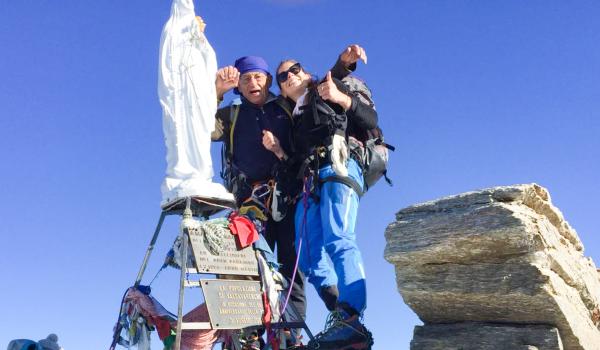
{"x": 251, "y": 64}
{"x": 262, "y": 245}
{"x": 330, "y": 231}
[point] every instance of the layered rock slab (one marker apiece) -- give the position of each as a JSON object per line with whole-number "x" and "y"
{"x": 485, "y": 336}
{"x": 503, "y": 254}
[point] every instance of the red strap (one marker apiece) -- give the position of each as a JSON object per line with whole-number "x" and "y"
{"x": 271, "y": 338}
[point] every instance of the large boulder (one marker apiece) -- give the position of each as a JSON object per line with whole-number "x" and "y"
{"x": 485, "y": 336}
{"x": 500, "y": 255}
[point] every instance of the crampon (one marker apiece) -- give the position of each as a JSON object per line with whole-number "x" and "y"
{"x": 343, "y": 331}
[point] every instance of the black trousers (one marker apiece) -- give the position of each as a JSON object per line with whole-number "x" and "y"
{"x": 282, "y": 235}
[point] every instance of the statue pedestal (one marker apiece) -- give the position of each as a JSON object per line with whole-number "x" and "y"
{"x": 173, "y": 189}
{"x": 203, "y": 206}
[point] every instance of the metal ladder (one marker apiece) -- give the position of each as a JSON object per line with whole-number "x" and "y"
{"x": 188, "y": 208}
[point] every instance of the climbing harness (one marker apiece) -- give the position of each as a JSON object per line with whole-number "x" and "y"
{"x": 346, "y": 180}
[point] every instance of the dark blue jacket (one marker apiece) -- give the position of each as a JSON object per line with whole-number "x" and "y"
{"x": 249, "y": 155}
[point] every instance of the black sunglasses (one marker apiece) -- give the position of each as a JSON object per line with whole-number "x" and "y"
{"x": 294, "y": 69}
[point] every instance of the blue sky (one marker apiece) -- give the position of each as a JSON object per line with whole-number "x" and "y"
{"x": 473, "y": 94}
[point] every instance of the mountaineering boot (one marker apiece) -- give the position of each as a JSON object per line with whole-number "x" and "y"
{"x": 343, "y": 331}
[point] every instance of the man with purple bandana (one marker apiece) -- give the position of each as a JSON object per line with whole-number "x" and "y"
{"x": 257, "y": 148}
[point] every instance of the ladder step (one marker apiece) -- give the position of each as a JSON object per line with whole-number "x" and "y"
{"x": 195, "y": 325}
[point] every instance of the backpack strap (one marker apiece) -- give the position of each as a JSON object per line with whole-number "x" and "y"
{"x": 281, "y": 102}
{"x": 346, "y": 180}
{"x": 387, "y": 179}
{"x": 379, "y": 141}
{"x": 234, "y": 111}
{"x": 285, "y": 107}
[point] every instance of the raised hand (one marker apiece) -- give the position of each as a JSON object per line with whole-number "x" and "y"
{"x": 352, "y": 54}
{"x": 330, "y": 92}
{"x": 227, "y": 79}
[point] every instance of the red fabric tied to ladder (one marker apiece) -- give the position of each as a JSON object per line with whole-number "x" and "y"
{"x": 243, "y": 229}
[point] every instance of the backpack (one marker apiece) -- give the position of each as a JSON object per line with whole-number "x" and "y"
{"x": 369, "y": 148}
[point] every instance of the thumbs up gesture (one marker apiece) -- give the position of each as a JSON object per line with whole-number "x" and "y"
{"x": 330, "y": 92}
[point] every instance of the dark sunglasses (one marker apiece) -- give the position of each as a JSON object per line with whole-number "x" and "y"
{"x": 294, "y": 69}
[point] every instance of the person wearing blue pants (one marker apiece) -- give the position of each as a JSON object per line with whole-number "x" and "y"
{"x": 327, "y": 227}
{"x": 326, "y": 213}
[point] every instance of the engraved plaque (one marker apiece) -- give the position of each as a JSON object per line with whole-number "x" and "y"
{"x": 233, "y": 304}
{"x": 228, "y": 260}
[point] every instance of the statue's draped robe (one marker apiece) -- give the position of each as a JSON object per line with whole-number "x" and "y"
{"x": 186, "y": 89}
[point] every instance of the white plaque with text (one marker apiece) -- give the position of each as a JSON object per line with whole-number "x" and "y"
{"x": 233, "y": 304}
{"x": 229, "y": 260}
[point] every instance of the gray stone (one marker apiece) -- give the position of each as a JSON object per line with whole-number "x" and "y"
{"x": 503, "y": 254}
{"x": 482, "y": 336}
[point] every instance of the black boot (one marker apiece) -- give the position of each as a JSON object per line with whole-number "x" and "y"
{"x": 343, "y": 331}
{"x": 329, "y": 295}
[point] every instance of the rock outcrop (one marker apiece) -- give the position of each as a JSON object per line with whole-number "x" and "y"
{"x": 498, "y": 268}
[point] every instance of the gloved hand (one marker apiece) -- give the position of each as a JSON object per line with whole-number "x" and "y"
{"x": 339, "y": 154}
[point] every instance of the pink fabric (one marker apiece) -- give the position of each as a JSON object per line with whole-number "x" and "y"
{"x": 152, "y": 310}
{"x": 200, "y": 339}
{"x": 243, "y": 229}
{"x": 157, "y": 315}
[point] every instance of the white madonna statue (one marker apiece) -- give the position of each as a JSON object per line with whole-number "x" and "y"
{"x": 186, "y": 89}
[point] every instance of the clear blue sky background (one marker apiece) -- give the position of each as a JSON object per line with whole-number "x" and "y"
{"x": 474, "y": 94}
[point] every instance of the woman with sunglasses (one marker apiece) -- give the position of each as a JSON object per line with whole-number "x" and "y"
{"x": 325, "y": 113}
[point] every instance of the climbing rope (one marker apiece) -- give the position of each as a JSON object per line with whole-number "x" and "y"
{"x": 305, "y": 195}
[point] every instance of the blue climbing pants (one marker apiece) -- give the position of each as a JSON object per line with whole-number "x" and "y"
{"x": 327, "y": 228}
